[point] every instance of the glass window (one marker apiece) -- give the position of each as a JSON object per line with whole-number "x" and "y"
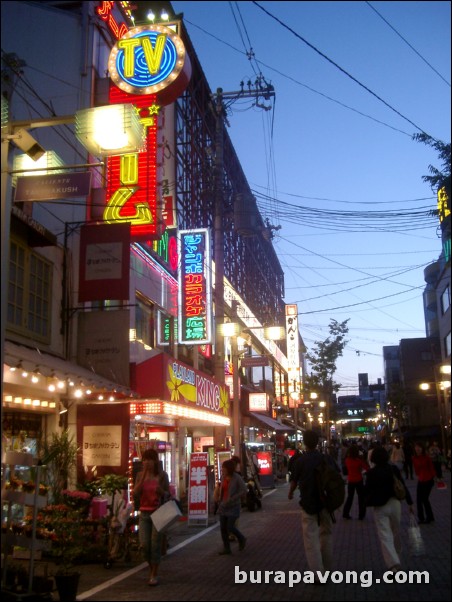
{"x": 447, "y": 344}
{"x": 29, "y": 292}
{"x": 445, "y": 300}
{"x": 144, "y": 323}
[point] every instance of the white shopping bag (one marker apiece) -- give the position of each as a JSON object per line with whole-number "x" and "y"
{"x": 416, "y": 543}
{"x": 166, "y": 515}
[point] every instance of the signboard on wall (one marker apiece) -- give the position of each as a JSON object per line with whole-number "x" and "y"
{"x": 198, "y": 508}
{"x": 103, "y": 344}
{"x": 104, "y": 262}
{"x": 195, "y": 298}
{"x": 102, "y": 445}
{"x": 103, "y": 438}
{"x": 258, "y": 402}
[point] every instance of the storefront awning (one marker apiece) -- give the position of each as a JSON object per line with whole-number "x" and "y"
{"x": 34, "y": 359}
{"x": 272, "y": 424}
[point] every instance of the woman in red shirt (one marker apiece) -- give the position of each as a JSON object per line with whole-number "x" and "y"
{"x": 425, "y": 472}
{"x": 149, "y": 489}
{"x": 355, "y": 466}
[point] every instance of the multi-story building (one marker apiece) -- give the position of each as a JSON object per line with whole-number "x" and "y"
{"x": 113, "y": 301}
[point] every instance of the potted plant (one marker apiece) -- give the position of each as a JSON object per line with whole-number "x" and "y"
{"x": 67, "y": 538}
{"x": 59, "y": 456}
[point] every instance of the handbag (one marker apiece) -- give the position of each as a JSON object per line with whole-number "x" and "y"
{"x": 399, "y": 488}
{"x": 165, "y": 515}
{"x": 415, "y": 541}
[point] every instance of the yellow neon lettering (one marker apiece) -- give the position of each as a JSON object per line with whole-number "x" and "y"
{"x": 129, "y": 169}
{"x": 129, "y": 46}
{"x": 117, "y": 201}
{"x": 154, "y": 56}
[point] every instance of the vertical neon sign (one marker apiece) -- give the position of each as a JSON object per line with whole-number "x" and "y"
{"x": 195, "y": 303}
{"x": 149, "y": 69}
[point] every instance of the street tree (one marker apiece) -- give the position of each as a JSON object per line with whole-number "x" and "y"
{"x": 439, "y": 177}
{"x": 323, "y": 362}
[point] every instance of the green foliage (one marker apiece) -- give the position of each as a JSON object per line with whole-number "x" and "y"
{"x": 59, "y": 455}
{"x": 323, "y": 359}
{"x": 438, "y": 177}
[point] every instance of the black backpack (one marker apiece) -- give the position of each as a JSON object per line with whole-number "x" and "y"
{"x": 330, "y": 486}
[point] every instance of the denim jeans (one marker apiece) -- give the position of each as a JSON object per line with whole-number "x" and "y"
{"x": 150, "y": 539}
{"x": 227, "y": 527}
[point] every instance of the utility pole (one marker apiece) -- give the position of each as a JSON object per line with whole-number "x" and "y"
{"x": 259, "y": 92}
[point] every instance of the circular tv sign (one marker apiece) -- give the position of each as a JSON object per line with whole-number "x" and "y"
{"x": 147, "y": 60}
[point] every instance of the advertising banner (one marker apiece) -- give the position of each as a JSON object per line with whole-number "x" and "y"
{"x": 103, "y": 344}
{"x": 103, "y": 438}
{"x": 198, "y": 508}
{"x": 104, "y": 262}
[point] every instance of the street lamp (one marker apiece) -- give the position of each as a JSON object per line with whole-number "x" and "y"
{"x": 233, "y": 330}
{"x": 442, "y": 386}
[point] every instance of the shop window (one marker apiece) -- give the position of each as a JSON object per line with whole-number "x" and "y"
{"x": 445, "y": 300}
{"x": 447, "y": 345}
{"x": 144, "y": 322}
{"x": 29, "y": 292}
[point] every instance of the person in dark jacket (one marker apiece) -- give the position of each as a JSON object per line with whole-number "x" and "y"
{"x": 379, "y": 493}
{"x": 316, "y": 521}
{"x": 230, "y": 495}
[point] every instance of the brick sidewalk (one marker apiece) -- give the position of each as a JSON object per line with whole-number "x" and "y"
{"x": 196, "y": 572}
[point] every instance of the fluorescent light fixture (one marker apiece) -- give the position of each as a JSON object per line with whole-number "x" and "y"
{"x": 109, "y": 130}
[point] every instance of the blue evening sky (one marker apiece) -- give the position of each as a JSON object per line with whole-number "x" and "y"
{"x": 333, "y": 161}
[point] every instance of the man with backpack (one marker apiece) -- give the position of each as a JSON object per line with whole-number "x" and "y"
{"x": 321, "y": 493}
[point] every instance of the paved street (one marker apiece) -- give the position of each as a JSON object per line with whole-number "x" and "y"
{"x": 193, "y": 570}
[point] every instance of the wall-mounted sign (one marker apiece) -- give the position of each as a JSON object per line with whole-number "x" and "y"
{"x": 195, "y": 302}
{"x": 104, "y": 262}
{"x": 258, "y": 402}
{"x": 164, "y": 378}
{"x": 111, "y": 14}
{"x": 132, "y": 178}
{"x": 150, "y": 59}
{"x": 255, "y": 361}
{"x": 443, "y": 204}
{"x": 53, "y": 187}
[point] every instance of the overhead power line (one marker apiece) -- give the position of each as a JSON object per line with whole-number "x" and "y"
{"x": 407, "y": 43}
{"x": 340, "y": 68}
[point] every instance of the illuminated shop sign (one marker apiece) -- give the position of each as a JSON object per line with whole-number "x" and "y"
{"x": 293, "y": 355}
{"x": 443, "y": 204}
{"x": 111, "y": 14}
{"x": 132, "y": 178}
{"x": 150, "y": 59}
{"x": 195, "y": 304}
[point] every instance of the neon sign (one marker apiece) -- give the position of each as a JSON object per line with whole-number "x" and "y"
{"x": 195, "y": 304}
{"x": 105, "y": 12}
{"x": 148, "y": 59}
{"x": 132, "y": 178}
{"x": 443, "y": 204}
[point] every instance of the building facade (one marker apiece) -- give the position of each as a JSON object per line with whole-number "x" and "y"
{"x": 102, "y": 335}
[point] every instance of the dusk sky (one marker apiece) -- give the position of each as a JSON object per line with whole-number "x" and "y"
{"x": 332, "y": 161}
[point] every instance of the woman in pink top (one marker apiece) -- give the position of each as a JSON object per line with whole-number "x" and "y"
{"x": 149, "y": 488}
{"x": 355, "y": 467}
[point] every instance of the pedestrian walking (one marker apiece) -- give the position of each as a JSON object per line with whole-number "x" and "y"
{"x": 149, "y": 489}
{"x": 292, "y": 462}
{"x": 230, "y": 500}
{"x": 397, "y": 456}
{"x": 316, "y": 521}
{"x": 355, "y": 467}
{"x": 425, "y": 472}
{"x": 408, "y": 452}
{"x": 379, "y": 493}
{"x": 436, "y": 455}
